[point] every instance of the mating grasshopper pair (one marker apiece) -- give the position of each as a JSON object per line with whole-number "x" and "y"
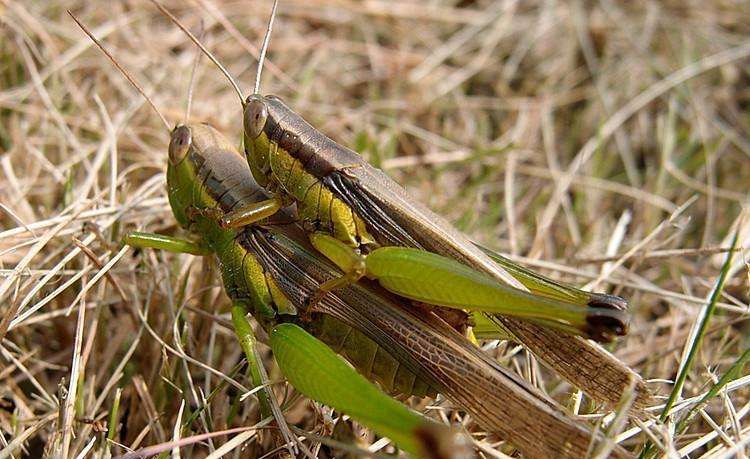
{"x": 351, "y": 208}
{"x": 294, "y": 160}
{"x": 271, "y": 270}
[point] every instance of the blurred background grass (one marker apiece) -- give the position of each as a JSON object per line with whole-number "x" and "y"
{"x": 604, "y": 143}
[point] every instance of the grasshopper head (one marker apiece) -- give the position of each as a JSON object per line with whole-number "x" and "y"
{"x": 257, "y": 144}
{"x": 180, "y": 141}
{"x": 195, "y": 149}
{"x": 179, "y": 173}
{"x": 255, "y": 115}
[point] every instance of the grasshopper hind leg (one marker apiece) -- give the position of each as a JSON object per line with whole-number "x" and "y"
{"x": 436, "y": 280}
{"x": 317, "y": 372}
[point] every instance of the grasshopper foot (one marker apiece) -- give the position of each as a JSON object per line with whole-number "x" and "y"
{"x": 354, "y": 270}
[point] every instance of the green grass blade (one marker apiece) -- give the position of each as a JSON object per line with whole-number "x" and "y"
{"x": 708, "y": 313}
{"x": 700, "y": 331}
{"x": 731, "y": 374}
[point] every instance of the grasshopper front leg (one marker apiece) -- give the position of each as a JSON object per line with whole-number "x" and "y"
{"x": 316, "y": 371}
{"x": 431, "y": 278}
{"x": 162, "y": 242}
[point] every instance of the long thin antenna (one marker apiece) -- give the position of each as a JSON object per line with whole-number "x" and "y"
{"x": 193, "y": 71}
{"x": 200, "y": 45}
{"x": 264, "y": 48}
{"x": 121, "y": 69}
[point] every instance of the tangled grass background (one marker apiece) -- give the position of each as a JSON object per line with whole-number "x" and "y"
{"x": 604, "y": 143}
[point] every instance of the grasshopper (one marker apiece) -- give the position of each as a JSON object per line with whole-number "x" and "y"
{"x": 270, "y": 270}
{"x": 351, "y": 208}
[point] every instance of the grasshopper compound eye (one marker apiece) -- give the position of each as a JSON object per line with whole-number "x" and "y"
{"x": 255, "y": 116}
{"x": 179, "y": 144}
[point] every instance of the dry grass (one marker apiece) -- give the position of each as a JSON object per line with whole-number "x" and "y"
{"x": 605, "y": 143}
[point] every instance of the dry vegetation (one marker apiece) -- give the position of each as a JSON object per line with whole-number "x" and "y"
{"x": 604, "y": 143}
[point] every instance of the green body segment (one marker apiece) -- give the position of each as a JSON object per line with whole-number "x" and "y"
{"x": 319, "y": 373}
{"x": 318, "y": 208}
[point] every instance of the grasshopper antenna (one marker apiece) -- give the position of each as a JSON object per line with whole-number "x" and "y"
{"x": 264, "y": 48}
{"x": 193, "y": 71}
{"x": 198, "y": 43}
{"x": 121, "y": 69}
